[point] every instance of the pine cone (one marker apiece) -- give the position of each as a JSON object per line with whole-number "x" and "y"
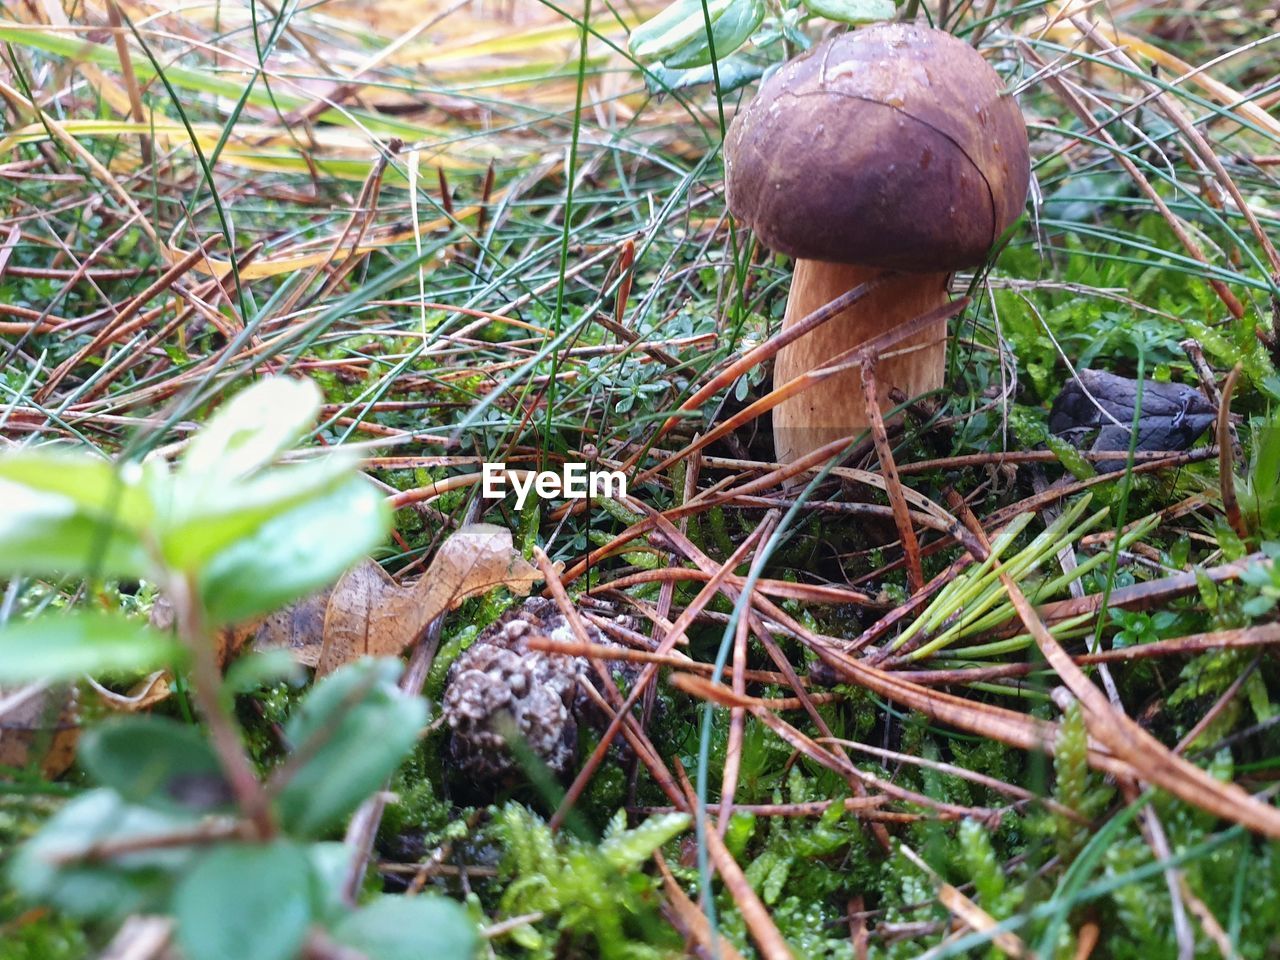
{"x": 499, "y": 688}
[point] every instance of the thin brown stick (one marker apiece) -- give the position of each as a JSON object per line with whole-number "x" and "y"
{"x": 1177, "y": 114}
{"x": 758, "y": 355}
{"x": 737, "y": 715}
{"x": 691, "y": 922}
{"x": 901, "y": 516}
{"x": 1081, "y": 110}
{"x": 759, "y": 924}
{"x": 1226, "y": 469}
{"x": 629, "y": 727}
{"x": 1151, "y": 760}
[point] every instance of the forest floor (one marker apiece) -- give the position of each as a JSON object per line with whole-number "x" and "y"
{"x": 488, "y": 233}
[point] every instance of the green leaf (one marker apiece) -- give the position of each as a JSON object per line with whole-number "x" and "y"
{"x": 46, "y": 868}
{"x": 205, "y": 520}
{"x": 330, "y": 863}
{"x": 354, "y": 727}
{"x": 40, "y": 537}
{"x": 1071, "y": 458}
{"x": 730, "y": 31}
{"x": 252, "y": 430}
{"x": 676, "y": 27}
{"x": 254, "y": 670}
{"x": 46, "y": 528}
{"x": 734, "y": 72}
{"x": 1259, "y": 606}
{"x": 245, "y": 902}
{"x": 404, "y": 928}
{"x": 852, "y": 11}
{"x": 155, "y": 762}
{"x": 296, "y": 553}
{"x": 97, "y": 488}
{"x": 1265, "y": 472}
{"x": 60, "y": 646}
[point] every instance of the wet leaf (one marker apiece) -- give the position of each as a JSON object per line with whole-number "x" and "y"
{"x": 677, "y": 27}
{"x": 45, "y": 532}
{"x": 401, "y": 928}
{"x": 295, "y": 553}
{"x": 250, "y": 431}
{"x": 729, "y": 32}
{"x": 298, "y": 629}
{"x": 39, "y": 725}
{"x": 50, "y": 867}
{"x": 156, "y": 762}
{"x": 57, "y": 646}
{"x": 353, "y": 728}
{"x": 368, "y": 614}
{"x": 364, "y": 617}
{"x": 852, "y": 11}
{"x": 245, "y": 901}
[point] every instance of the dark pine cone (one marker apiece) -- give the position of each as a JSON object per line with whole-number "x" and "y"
{"x": 498, "y": 686}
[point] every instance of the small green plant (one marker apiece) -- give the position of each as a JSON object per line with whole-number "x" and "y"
{"x": 1071, "y": 786}
{"x": 677, "y": 38}
{"x": 181, "y": 823}
{"x": 1136, "y": 627}
{"x": 1264, "y": 579}
{"x": 568, "y": 887}
{"x": 985, "y": 869}
{"x": 1259, "y": 489}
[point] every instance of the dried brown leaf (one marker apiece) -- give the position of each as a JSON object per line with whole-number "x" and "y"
{"x": 39, "y": 724}
{"x": 478, "y": 558}
{"x": 146, "y": 693}
{"x": 298, "y": 628}
{"x": 369, "y": 614}
{"x": 362, "y": 618}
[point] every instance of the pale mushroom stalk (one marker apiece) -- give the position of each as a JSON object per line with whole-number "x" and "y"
{"x": 891, "y": 152}
{"x": 834, "y": 409}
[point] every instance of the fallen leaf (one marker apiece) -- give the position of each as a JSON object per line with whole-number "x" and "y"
{"x": 39, "y": 724}
{"x": 1172, "y": 416}
{"x": 146, "y": 693}
{"x": 298, "y": 628}
{"x": 478, "y": 558}
{"x": 362, "y": 618}
{"x": 368, "y": 614}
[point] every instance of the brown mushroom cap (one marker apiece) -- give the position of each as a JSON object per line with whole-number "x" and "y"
{"x": 894, "y": 146}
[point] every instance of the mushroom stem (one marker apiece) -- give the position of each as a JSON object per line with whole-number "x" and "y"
{"x": 834, "y": 408}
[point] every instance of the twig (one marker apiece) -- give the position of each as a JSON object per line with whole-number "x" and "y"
{"x": 737, "y": 715}
{"x": 901, "y": 516}
{"x": 206, "y": 685}
{"x": 759, "y": 924}
{"x": 363, "y": 827}
{"x": 1209, "y": 387}
{"x": 1226, "y": 468}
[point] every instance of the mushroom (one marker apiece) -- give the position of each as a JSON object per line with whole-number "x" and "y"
{"x": 892, "y": 153}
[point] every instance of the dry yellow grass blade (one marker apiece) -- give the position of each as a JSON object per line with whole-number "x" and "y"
{"x": 259, "y": 146}
{"x": 1057, "y": 26}
{"x": 110, "y": 91}
{"x": 278, "y": 266}
{"x": 560, "y": 39}
{"x": 88, "y": 159}
{"x": 318, "y": 251}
